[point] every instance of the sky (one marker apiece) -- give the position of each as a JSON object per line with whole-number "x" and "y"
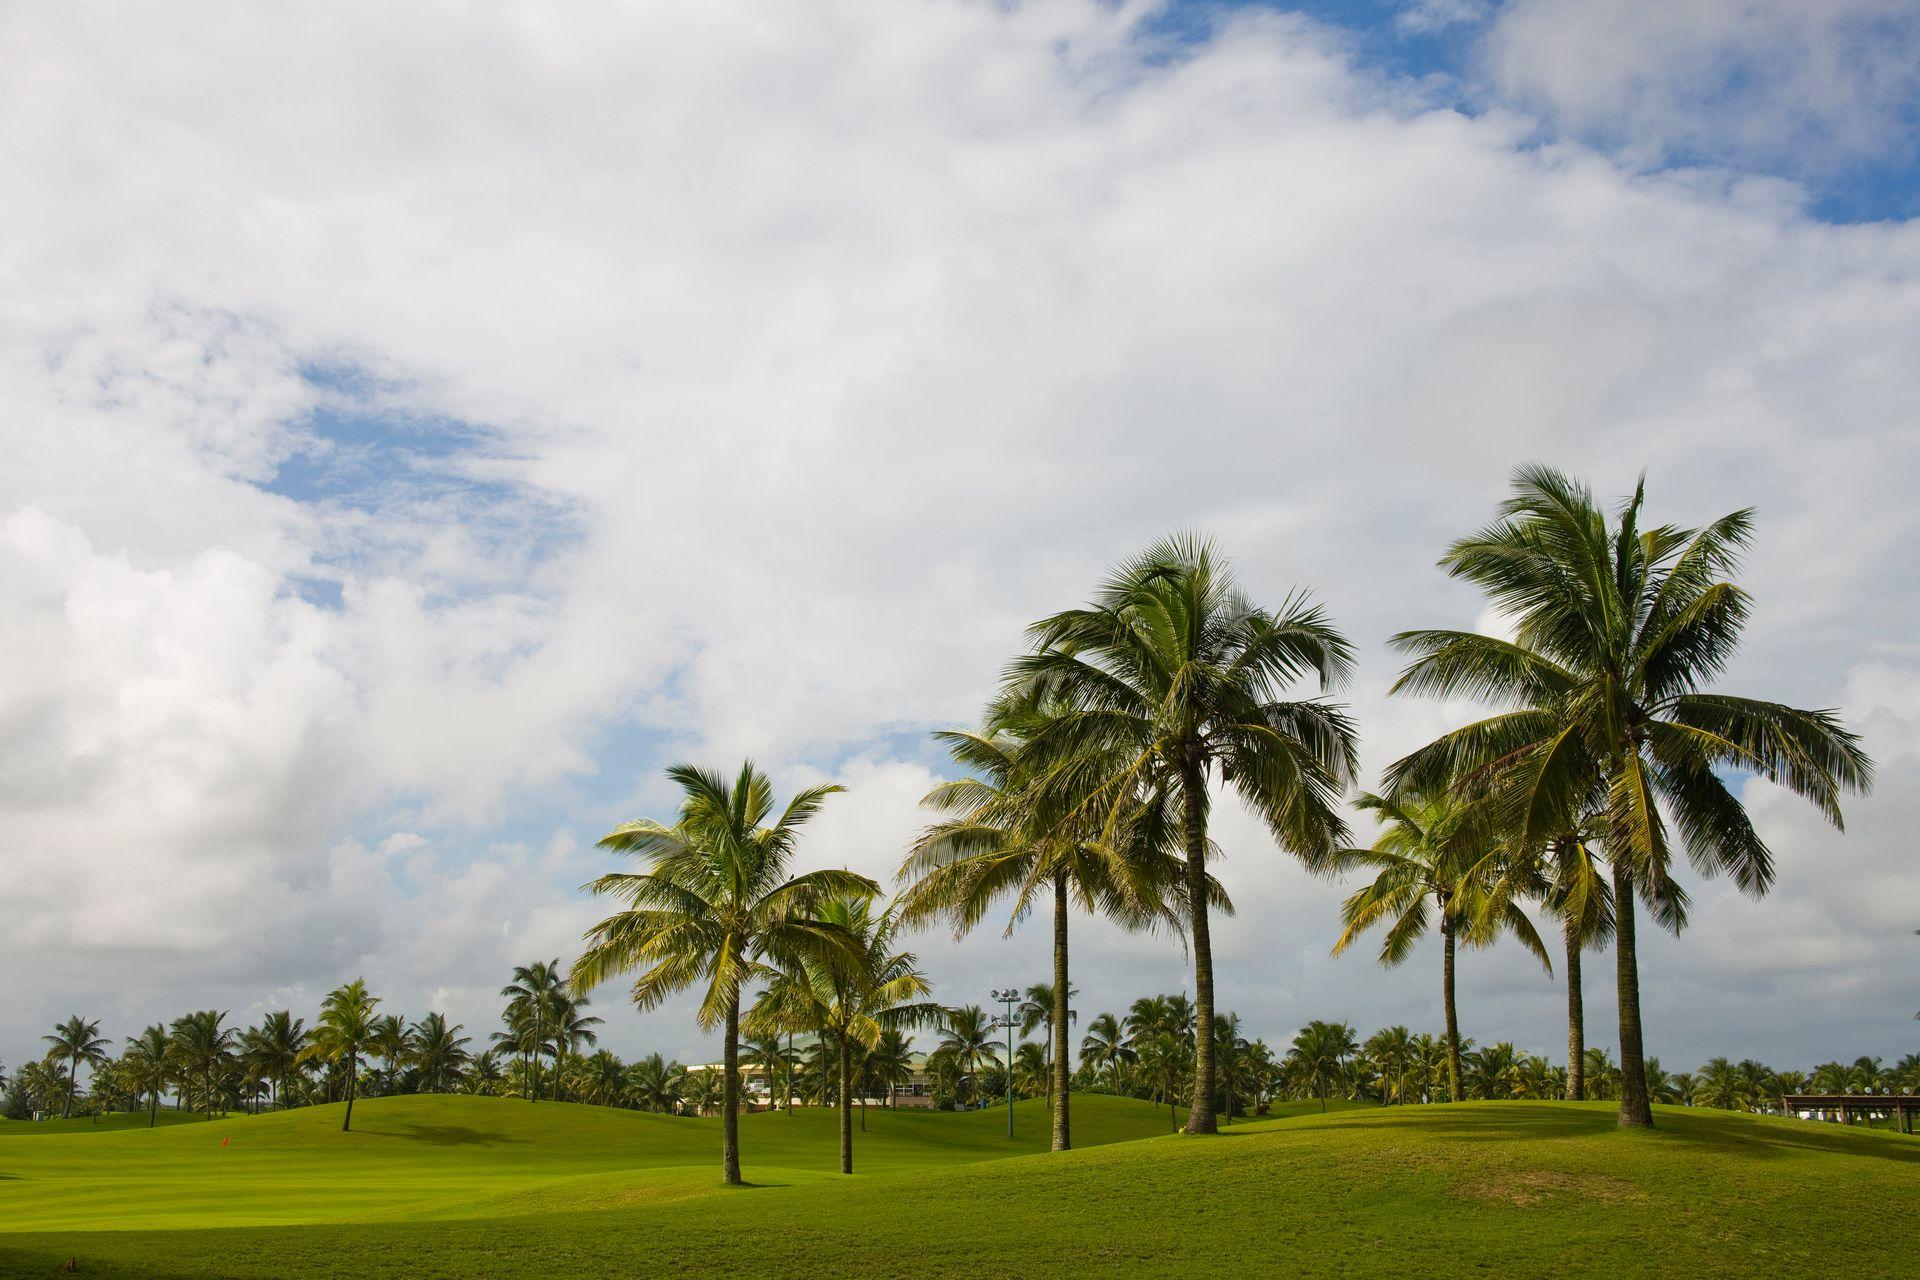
{"x": 423, "y": 423}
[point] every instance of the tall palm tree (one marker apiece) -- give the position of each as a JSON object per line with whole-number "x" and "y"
{"x": 968, "y": 1039}
{"x": 1173, "y": 675}
{"x": 850, "y": 995}
{"x": 1618, "y": 629}
{"x": 529, "y": 1015}
{"x": 204, "y": 1047}
{"x": 1008, "y": 835}
{"x": 73, "y": 1042}
{"x": 1430, "y": 851}
{"x": 343, "y": 1033}
{"x": 393, "y": 1043}
{"x": 715, "y": 907}
{"x": 440, "y": 1051}
{"x": 275, "y": 1045}
{"x": 569, "y": 1026}
{"x": 149, "y": 1060}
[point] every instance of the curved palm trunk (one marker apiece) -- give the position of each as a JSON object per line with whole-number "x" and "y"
{"x": 153, "y": 1108}
{"x": 353, "y": 1087}
{"x": 1200, "y": 1118}
{"x": 1576, "y": 1021}
{"x": 730, "y": 1096}
{"x": 73, "y": 1082}
{"x": 1060, "y": 1077}
{"x": 1446, "y": 997}
{"x": 846, "y": 1105}
{"x": 1636, "y": 1109}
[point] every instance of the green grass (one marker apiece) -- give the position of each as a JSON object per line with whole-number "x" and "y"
{"x": 459, "y": 1187}
{"x": 112, "y": 1123}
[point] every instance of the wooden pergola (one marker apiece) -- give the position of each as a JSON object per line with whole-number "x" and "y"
{"x": 1901, "y": 1106}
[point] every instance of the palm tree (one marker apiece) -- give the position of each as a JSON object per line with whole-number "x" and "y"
{"x": 605, "y": 1079}
{"x": 1395, "y": 1053}
{"x": 1617, "y": 631}
{"x": 890, "y": 1062}
{"x": 344, "y": 1031}
{"x": 968, "y": 1041}
{"x": 1010, "y": 835}
{"x": 768, "y": 1054}
{"x": 850, "y": 995}
{"x": 528, "y": 1015}
{"x": 1170, "y": 674}
{"x": 1164, "y": 1060}
{"x": 439, "y": 1050}
{"x": 1430, "y": 851}
{"x": 275, "y": 1046}
{"x": 203, "y": 1046}
{"x": 1229, "y": 1049}
{"x": 1319, "y": 1057}
{"x": 392, "y": 1042}
{"x": 715, "y": 906}
{"x": 1104, "y": 1049}
{"x": 149, "y": 1059}
{"x": 483, "y": 1071}
{"x": 569, "y": 1026}
{"x": 1038, "y": 1010}
{"x": 73, "y": 1042}
{"x": 655, "y": 1084}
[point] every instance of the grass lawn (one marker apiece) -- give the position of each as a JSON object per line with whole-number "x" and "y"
{"x": 462, "y": 1187}
{"x": 112, "y": 1123}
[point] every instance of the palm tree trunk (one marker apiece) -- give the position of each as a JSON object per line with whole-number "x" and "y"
{"x": 153, "y": 1109}
{"x": 730, "y": 1096}
{"x": 1636, "y": 1109}
{"x": 73, "y": 1082}
{"x": 1059, "y": 1077}
{"x": 846, "y": 1105}
{"x": 1446, "y": 998}
{"x": 787, "y": 1067}
{"x": 1576, "y": 1021}
{"x": 353, "y": 1083}
{"x": 1200, "y": 1117}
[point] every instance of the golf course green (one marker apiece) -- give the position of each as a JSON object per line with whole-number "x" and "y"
{"x": 479, "y": 1187}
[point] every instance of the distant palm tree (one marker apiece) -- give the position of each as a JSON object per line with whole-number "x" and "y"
{"x": 702, "y": 1091}
{"x": 344, "y": 1033}
{"x": 1430, "y": 851}
{"x": 890, "y": 1062}
{"x": 1617, "y": 631}
{"x": 714, "y": 907}
{"x": 204, "y": 1047}
{"x": 769, "y": 1055}
{"x": 484, "y": 1072}
{"x": 1010, "y": 833}
{"x": 1229, "y": 1050}
{"x": 73, "y": 1042}
{"x": 392, "y": 1042}
{"x": 605, "y": 1079}
{"x": 1396, "y": 1055}
{"x": 1320, "y": 1056}
{"x": 656, "y": 1085}
{"x": 1104, "y": 1050}
{"x": 1171, "y": 674}
{"x": 528, "y": 1017}
{"x": 968, "y": 1040}
{"x": 850, "y": 994}
{"x": 275, "y": 1046}
{"x": 439, "y": 1051}
{"x": 1163, "y": 1060}
{"x": 569, "y": 1026}
{"x": 149, "y": 1061}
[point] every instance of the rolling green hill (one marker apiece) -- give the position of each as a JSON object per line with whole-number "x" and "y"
{"x": 112, "y": 1123}
{"x": 472, "y": 1187}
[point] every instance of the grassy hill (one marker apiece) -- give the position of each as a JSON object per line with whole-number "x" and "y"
{"x": 476, "y": 1187}
{"x": 112, "y": 1123}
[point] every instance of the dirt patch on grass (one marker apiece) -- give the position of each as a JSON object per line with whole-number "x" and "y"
{"x": 1539, "y": 1186}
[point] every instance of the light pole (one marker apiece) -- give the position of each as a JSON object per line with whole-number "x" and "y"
{"x": 1009, "y": 998}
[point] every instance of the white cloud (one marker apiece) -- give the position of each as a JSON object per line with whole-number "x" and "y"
{"x": 809, "y": 357}
{"x": 1812, "y": 87}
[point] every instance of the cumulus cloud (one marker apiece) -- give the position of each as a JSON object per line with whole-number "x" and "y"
{"x": 1809, "y": 88}
{"x": 732, "y": 380}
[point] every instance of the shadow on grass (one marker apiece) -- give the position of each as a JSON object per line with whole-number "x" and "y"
{"x": 449, "y": 1135}
{"x": 1765, "y": 1137}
